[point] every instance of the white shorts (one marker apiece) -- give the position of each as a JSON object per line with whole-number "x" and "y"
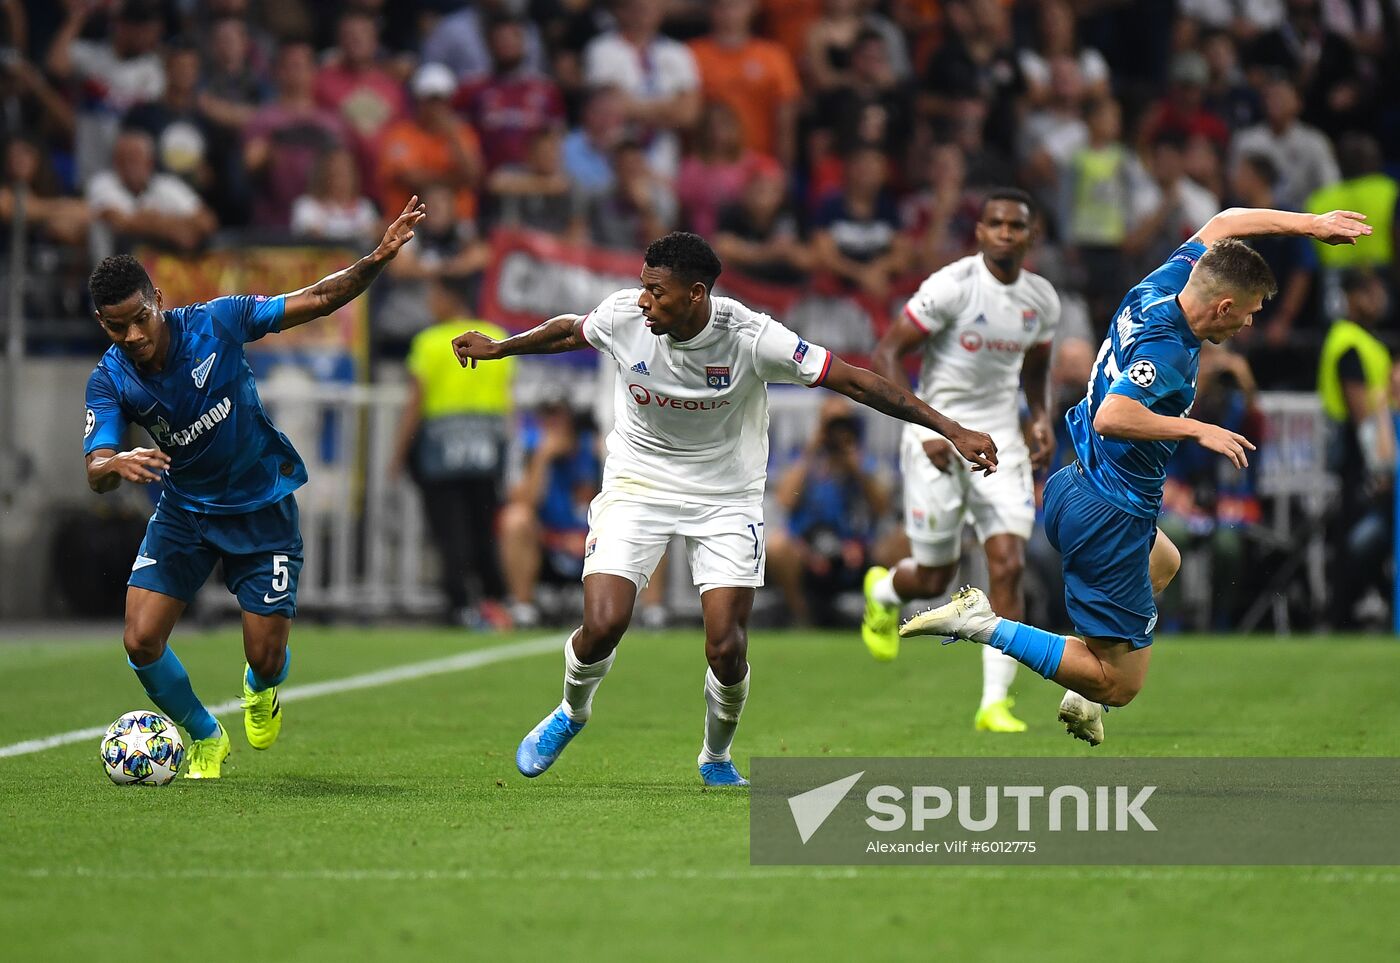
{"x": 938, "y": 503}
{"x": 627, "y": 536}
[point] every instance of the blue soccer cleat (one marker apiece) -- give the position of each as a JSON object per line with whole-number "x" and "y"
{"x": 542, "y": 746}
{"x": 721, "y": 774}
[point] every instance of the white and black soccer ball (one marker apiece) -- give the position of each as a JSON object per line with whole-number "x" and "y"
{"x": 142, "y": 748}
{"x": 1142, "y": 373}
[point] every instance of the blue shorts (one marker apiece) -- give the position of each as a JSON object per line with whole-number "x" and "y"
{"x": 1108, "y": 590}
{"x": 260, "y": 551}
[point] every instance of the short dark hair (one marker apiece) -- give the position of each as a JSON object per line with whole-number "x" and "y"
{"x": 688, "y": 256}
{"x": 1263, "y": 166}
{"x": 117, "y": 278}
{"x": 1231, "y": 265}
{"x": 1013, "y": 194}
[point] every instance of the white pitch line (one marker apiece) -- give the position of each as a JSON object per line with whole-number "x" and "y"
{"x": 369, "y": 680}
{"x": 1161, "y": 874}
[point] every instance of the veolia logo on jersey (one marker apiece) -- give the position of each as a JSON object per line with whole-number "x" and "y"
{"x": 643, "y": 397}
{"x": 972, "y": 341}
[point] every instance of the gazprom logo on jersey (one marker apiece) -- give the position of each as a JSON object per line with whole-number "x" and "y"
{"x": 644, "y": 397}
{"x": 166, "y": 438}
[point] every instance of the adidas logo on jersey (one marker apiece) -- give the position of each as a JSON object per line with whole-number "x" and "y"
{"x": 641, "y": 368}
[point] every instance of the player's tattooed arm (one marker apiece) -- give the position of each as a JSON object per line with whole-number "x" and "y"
{"x": 558, "y": 334}
{"x": 1334, "y": 227}
{"x": 886, "y": 397}
{"x": 106, "y": 468}
{"x": 339, "y": 289}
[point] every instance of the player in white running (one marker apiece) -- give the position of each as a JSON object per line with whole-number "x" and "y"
{"x": 688, "y": 455}
{"x": 985, "y": 327}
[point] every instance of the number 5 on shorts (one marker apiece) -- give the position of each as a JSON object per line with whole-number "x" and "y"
{"x": 281, "y": 577}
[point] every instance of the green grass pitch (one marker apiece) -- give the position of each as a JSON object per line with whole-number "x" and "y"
{"x": 389, "y": 822}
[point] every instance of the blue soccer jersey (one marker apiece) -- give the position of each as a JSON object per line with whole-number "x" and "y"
{"x": 1151, "y": 356}
{"x": 202, "y": 409}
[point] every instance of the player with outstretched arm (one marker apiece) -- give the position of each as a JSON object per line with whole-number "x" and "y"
{"x": 687, "y": 456}
{"x": 1101, "y": 512}
{"x": 226, "y": 472}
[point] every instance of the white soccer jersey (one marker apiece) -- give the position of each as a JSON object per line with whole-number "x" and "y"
{"x": 979, "y": 331}
{"x": 692, "y": 416}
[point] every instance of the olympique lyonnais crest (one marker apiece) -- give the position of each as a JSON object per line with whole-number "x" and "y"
{"x": 1028, "y": 319}
{"x": 717, "y": 376}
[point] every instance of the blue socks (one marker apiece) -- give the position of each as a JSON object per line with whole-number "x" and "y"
{"x": 258, "y": 684}
{"x": 1038, "y": 650}
{"x": 168, "y": 684}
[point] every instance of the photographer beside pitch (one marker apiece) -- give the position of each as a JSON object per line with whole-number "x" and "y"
{"x": 688, "y": 455}
{"x": 228, "y": 475}
{"x": 1101, "y": 512}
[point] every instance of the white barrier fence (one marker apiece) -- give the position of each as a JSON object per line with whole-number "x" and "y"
{"x": 367, "y": 552}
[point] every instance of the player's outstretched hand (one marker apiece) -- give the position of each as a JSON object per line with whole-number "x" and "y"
{"x": 401, "y": 231}
{"x": 140, "y": 465}
{"x": 1340, "y": 227}
{"x": 1225, "y": 442}
{"x": 473, "y": 346}
{"x": 977, "y": 447}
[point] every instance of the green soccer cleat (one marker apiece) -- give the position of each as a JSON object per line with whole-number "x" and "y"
{"x": 880, "y": 626}
{"x": 205, "y": 757}
{"x": 262, "y": 715}
{"x": 997, "y": 717}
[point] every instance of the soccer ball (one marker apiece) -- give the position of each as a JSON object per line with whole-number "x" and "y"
{"x": 142, "y": 748}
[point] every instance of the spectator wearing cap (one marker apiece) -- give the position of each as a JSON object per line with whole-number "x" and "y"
{"x": 133, "y": 202}
{"x": 755, "y": 77}
{"x": 431, "y": 147}
{"x": 511, "y": 104}
{"x": 657, "y": 78}
{"x": 1182, "y": 111}
{"x": 355, "y": 85}
{"x": 758, "y": 234}
{"x": 114, "y": 74}
{"x": 714, "y": 174}
{"x": 284, "y": 139}
{"x": 1301, "y": 152}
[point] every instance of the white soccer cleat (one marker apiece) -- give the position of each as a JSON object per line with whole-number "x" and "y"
{"x": 1083, "y": 718}
{"x": 968, "y": 616}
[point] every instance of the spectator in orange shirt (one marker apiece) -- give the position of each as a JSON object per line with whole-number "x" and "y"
{"x": 433, "y": 147}
{"x": 756, "y": 78}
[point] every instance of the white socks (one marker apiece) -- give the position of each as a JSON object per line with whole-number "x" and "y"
{"x": 723, "y": 705}
{"x": 998, "y": 669}
{"x": 581, "y": 681}
{"x": 884, "y": 592}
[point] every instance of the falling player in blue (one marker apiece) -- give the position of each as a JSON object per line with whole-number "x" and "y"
{"x": 227, "y": 475}
{"x": 1101, "y": 511}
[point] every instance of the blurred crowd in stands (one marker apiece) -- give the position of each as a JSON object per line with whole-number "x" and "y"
{"x": 843, "y": 140}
